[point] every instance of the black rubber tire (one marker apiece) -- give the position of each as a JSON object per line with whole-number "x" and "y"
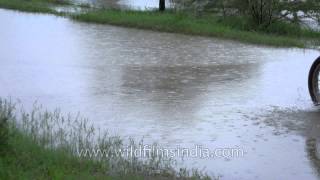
{"x": 312, "y": 73}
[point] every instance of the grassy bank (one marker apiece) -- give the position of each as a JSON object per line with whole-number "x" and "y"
{"x": 186, "y": 24}
{"x": 45, "y": 145}
{"x": 27, "y": 160}
{"x": 235, "y": 28}
{"x": 38, "y": 6}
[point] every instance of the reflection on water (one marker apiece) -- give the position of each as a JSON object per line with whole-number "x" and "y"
{"x": 174, "y": 89}
{"x": 312, "y": 147}
{"x": 183, "y": 81}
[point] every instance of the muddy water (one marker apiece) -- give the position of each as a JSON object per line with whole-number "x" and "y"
{"x": 174, "y": 89}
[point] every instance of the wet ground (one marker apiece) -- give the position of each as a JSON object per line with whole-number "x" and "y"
{"x": 172, "y": 89}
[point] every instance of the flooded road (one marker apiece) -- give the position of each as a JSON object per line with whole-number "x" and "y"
{"x": 172, "y": 89}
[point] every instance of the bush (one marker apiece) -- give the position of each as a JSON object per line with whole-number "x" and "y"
{"x": 4, "y": 134}
{"x": 278, "y": 27}
{"x": 283, "y": 28}
{"x": 6, "y": 109}
{"x": 237, "y": 22}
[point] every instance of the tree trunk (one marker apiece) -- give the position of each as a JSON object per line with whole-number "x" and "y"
{"x": 162, "y": 5}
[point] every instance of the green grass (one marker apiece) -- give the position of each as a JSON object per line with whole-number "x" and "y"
{"x": 234, "y": 28}
{"x": 43, "y": 145}
{"x": 27, "y": 160}
{"x": 38, "y": 6}
{"x": 205, "y": 26}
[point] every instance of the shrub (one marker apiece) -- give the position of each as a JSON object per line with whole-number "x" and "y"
{"x": 282, "y": 28}
{"x": 4, "y": 134}
{"x": 6, "y": 109}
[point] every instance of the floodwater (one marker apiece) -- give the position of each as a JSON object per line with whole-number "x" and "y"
{"x": 126, "y": 4}
{"x": 173, "y": 89}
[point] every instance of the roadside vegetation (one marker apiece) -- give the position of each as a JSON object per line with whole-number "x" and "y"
{"x": 45, "y": 145}
{"x": 257, "y": 22}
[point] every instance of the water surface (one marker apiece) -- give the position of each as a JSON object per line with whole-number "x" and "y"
{"x": 126, "y": 4}
{"x": 174, "y": 89}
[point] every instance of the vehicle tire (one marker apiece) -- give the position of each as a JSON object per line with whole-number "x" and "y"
{"x": 313, "y": 82}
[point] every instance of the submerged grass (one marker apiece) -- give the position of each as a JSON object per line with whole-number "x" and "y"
{"x": 44, "y": 145}
{"x": 234, "y": 28}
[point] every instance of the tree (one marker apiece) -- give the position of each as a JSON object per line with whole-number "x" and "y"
{"x": 263, "y": 12}
{"x": 162, "y": 5}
